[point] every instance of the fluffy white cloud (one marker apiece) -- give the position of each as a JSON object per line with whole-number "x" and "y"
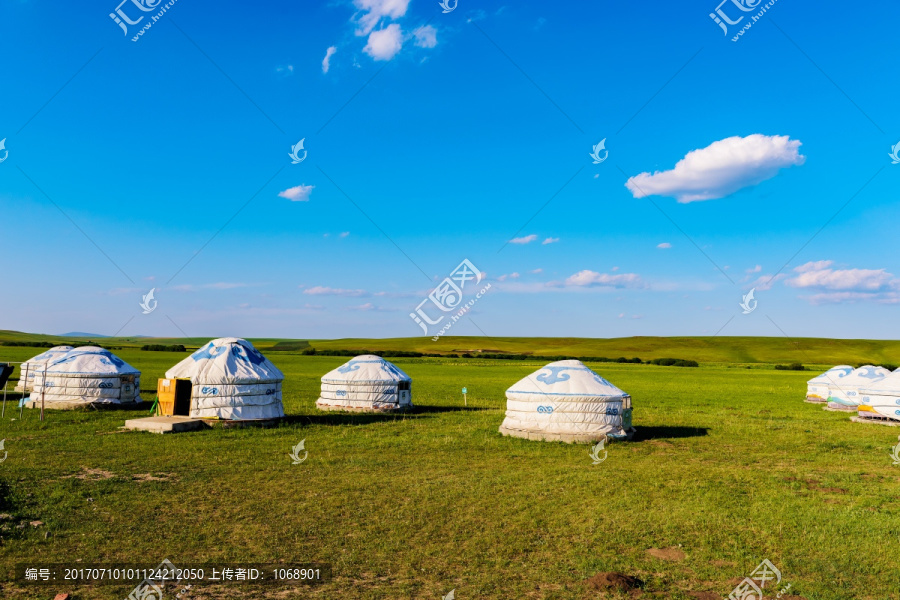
{"x": 320, "y": 290}
{"x": 720, "y": 169}
{"x": 508, "y": 276}
{"x": 345, "y": 234}
{"x": 664, "y": 246}
{"x": 426, "y": 36}
{"x": 326, "y": 62}
{"x": 524, "y": 240}
{"x": 549, "y": 240}
{"x": 588, "y": 278}
{"x": 385, "y": 43}
{"x": 298, "y": 193}
{"x": 374, "y": 10}
{"x": 821, "y": 275}
{"x": 368, "y": 306}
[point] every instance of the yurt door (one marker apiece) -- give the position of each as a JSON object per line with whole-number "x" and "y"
{"x": 183, "y": 397}
{"x": 404, "y": 393}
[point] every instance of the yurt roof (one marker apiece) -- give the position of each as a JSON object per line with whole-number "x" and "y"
{"x": 864, "y": 376}
{"x": 49, "y": 354}
{"x": 832, "y": 374}
{"x": 566, "y": 378}
{"x": 226, "y": 360}
{"x": 91, "y": 360}
{"x": 890, "y": 384}
{"x": 367, "y": 368}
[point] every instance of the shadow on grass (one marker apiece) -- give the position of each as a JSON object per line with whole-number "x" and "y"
{"x": 363, "y": 418}
{"x": 660, "y": 432}
{"x": 419, "y": 408}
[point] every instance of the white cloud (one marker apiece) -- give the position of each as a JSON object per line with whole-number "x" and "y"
{"x": 720, "y": 169}
{"x": 524, "y": 240}
{"x": 385, "y": 43}
{"x": 765, "y": 282}
{"x": 298, "y": 193}
{"x": 549, "y": 240}
{"x": 508, "y": 276}
{"x": 326, "y": 62}
{"x": 821, "y": 275}
{"x": 426, "y": 36}
{"x": 756, "y": 269}
{"x": 374, "y": 10}
{"x": 285, "y": 70}
{"x": 368, "y": 306}
{"x": 588, "y": 278}
{"x": 536, "y": 271}
{"x": 320, "y": 290}
{"x": 664, "y": 246}
{"x": 345, "y": 234}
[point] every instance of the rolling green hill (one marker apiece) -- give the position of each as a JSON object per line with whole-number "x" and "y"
{"x": 741, "y": 350}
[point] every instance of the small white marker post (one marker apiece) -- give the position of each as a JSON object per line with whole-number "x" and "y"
{"x": 465, "y": 401}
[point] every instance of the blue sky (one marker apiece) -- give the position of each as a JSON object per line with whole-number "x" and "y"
{"x": 437, "y": 137}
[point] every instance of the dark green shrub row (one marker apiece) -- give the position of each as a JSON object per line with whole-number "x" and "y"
{"x": 162, "y": 348}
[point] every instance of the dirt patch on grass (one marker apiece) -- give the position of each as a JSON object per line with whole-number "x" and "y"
{"x": 723, "y": 563}
{"x": 91, "y": 475}
{"x": 152, "y": 477}
{"x": 671, "y": 553}
{"x": 705, "y": 595}
{"x": 814, "y": 485}
{"x": 614, "y": 581}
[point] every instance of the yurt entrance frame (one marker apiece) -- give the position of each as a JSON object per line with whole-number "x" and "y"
{"x": 404, "y": 391}
{"x": 175, "y": 397}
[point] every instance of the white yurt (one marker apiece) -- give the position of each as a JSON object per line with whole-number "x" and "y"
{"x": 881, "y": 399}
{"x": 366, "y": 383}
{"x": 817, "y": 387}
{"x": 566, "y": 401}
{"x": 231, "y": 380}
{"x": 86, "y": 375}
{"x": 37, "y": 363}
{"x": 844, "y": 394}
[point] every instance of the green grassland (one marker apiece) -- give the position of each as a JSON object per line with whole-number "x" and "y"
{"x": 730, "y": 466}
{"x": 720, "y": 349}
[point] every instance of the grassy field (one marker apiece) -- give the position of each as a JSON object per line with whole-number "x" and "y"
{"x": 729, "y": 467}
{"x": 719, "y": 349}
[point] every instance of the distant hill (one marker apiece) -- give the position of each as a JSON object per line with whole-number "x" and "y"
{"x": 81, "y": 334}
{"x": 705, "y": 350}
